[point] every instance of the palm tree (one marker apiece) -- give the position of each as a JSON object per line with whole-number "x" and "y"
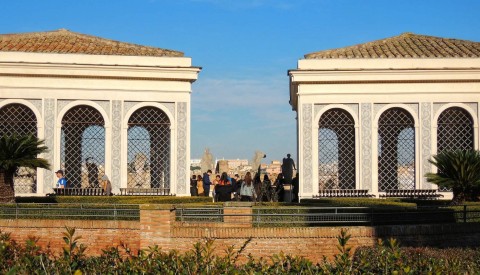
{"x": 459, "y": 171}
{"x": 18, "y": 151}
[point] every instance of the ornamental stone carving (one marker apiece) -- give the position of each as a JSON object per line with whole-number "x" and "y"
{"x": 116, "y": 143}
{"x": 181, "y": 147}
{"x": 366, "y": 152}
{"x": 105, "y": 106}
{"x": 413, "y": 106}
{"x": 37, "y": 103}
{"x": 426, "y": 136}
{"x": 307, "y": 147}
{"x": 319, "y": 107}
{"x": 61, "y": 104}
{"x": 49, "y": 113}
{"x": 170, "y": 106}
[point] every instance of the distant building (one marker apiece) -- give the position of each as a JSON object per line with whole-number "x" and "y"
{"x": 274, "y": 168}
{"x": 370, "y": 116}
{"x": 235, "y": 164}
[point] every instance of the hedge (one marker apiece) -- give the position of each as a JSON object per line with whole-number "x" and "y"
{"x": 115, "y": 199}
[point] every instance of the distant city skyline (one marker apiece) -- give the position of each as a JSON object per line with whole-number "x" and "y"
{"x": 240, "y": 101}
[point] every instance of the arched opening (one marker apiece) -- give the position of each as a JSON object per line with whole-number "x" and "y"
{"x": 455, "y": 131}
{"x": 336, "y": 150}
{"x": 148, "y": 153}
{"x": 396, "y": 153}
{"x": 20, "y": 120}
{"x": 82, "y": 152}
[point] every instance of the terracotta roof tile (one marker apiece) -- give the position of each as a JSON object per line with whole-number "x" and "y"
{"x": 406, "y": 45}
{"x": 65, "y": 41}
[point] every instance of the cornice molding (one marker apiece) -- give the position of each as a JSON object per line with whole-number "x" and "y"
{"x": 97, "y": 77}
{"x": 426, "y": 81}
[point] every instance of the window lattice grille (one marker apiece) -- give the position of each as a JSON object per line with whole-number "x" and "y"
{"x": 454, "y": 131}
{"x": 336, "y": 150}
{"x": 149, "y": 149}
{"x": 82, "y": 150}
{"x": 19, "y": 119}
{"x": 396, "y": 154}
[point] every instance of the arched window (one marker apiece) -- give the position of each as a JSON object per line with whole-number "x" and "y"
{"x": 19, "y": 119}
{"x": 396, "y": 153}
{"x": 336, "y": 150}
{"x": 82, "y": 151}
{"x": 455, "y": 130}
{"x": 148, "y": 153}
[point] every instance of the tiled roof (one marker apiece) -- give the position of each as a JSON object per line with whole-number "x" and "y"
{"x": 65, "y": 41}
{"x": 406, "y": 45}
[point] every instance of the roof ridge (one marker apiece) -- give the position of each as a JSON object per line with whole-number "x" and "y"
{"x": 413, "y": 45}
{"x": 4, "y": 38}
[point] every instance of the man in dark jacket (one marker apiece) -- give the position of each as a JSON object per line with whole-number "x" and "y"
{"x": 207, "y": 182}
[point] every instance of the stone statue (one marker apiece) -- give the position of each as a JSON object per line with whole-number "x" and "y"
{"x": 257, "y": 160}
{"x": 207, "y": 161}
{"x": 139, "y": 163}
{"x": 288, "y": 165}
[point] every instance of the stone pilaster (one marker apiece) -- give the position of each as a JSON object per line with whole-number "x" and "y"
{"x": 307, "y": 174}
{"x": 181, "y": 187}
{"x": 426, "y": 143}
{"x": 116, "y": 144}
{"x": 366, "y": 146}
{"x": 49, "y": 115}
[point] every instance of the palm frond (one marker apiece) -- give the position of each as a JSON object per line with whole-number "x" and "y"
{"x": 21, "y": 151}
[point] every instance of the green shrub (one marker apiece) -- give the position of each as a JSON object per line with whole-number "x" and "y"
{"x": 385, "y": 258}
{"x": 360, "y": 202}
{"x": 115, "y": 199}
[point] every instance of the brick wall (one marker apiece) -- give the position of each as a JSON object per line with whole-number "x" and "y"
{"x": 157, "y": 226}
{"x": 96, "y": 235}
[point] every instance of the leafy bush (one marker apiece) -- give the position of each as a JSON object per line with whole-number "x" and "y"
{"x": 387, "y": 204}
{"x": 385, "y": 258}
{"x": 115, "y": 199}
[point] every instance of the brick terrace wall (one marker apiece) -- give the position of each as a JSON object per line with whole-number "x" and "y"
{"x": 96, "y": 235}
{"x": 157, "y": 226}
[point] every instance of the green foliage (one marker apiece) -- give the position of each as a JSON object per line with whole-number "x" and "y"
{"x": 387, "y": 204}
{"x": 459, "y": 171}
{"x": 389, "y": 258}
{"x": 21, "y": 151}
{"x": 15, "y": 152}
{"x": 385, "y": 258}
{"x": 115, "y": 199}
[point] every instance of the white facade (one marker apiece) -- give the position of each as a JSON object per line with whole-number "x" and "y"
{"x": 51, "y": 84}
{"x": 365, "y": 88}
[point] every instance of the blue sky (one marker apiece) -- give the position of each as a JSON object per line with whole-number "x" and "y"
{"x": 240, "y": 102}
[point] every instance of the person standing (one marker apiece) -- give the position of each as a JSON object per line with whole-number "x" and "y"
{"x": 200, "y": 190}
{"x": 193, "y": 186}
{"x": 296, "y": 188}
{"x": 62, "y": 181}
{"x": 207, "y": 182}
{"x": 279, "y": 190}
{"x": 236, "y": 184}
{"x": 223, "y": 190}
{"x": 247, "y": 191}
{"x": 266, "y": 189}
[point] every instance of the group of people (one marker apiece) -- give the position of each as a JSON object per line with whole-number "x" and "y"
{"x": 226, "y": 188}
{"x": 248, "y": 188}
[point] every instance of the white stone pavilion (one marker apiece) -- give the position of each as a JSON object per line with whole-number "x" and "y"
{"x": 370, "y": 116}
{"x": 102, "y": 107}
